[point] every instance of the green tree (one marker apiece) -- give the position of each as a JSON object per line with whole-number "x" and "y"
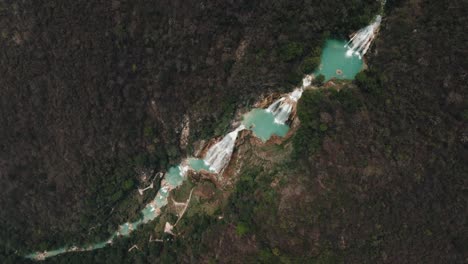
{"x": 369, "y": 81}
{"x": 310, "y": 64}
{"x": 319, "y": 80}
{"x": 291, "y": 51}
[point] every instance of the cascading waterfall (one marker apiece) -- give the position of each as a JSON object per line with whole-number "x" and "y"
{"x": 219, "y": 155}
{"x": 362, "y": 39}
{"x": 184, "y": 168}
{"x": 281, "y": 108}
{"x": 216, "y": 159}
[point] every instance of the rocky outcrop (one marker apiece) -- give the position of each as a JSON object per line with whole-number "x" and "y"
{"x": 204, "y": 175}
{"x": 184, "y": 135}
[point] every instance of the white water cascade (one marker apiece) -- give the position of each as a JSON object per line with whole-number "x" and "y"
{"x": 362, "y": 39}
{"x": 219, "y": 155}
{"x": 281, "y": 108}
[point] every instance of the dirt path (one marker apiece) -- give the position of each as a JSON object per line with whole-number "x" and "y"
{"x": 185, "y": 208}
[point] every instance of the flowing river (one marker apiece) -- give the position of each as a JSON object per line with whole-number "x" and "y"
{"x": 340, "y": 59}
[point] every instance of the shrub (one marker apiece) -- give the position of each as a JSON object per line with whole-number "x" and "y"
{"x": 310, "y": 64}
{"x": 323, "y": 127}
{"x": 369, "y": 82}
{"x": 464, "y": 115}
{"x": 116, "y": 196}
{"x": 128, "y": 184}
{"x": 294, "y": 78}
{"x": 308, "y": 138}
{"x": 319, "y": 80}
{"x": 241, "y": 229}
{"x": 291, "y": 51}
{"x": 148, "y": 131}
{"x": 347, "y": 98}
{"x": 228, "y": 65}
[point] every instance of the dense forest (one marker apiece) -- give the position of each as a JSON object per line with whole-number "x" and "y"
{"x": 95, "y": 95}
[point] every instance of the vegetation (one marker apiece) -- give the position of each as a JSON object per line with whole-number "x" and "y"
{"x": 369, "y": 81}
{"x": 291, "y": 51}
{"x": 310, "y": 64}
{"x": 294, "y": 78}
{"x": 312, "y": 61}
{"x": 308, "y": 138}
{"x": 378, "y": 166}
{"x": 101, "y": 137}
{"x": 319, "y": 80}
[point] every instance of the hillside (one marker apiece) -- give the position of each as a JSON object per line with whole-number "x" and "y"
{"x": 95, "y": 94}
{"x": 373, "y": 170}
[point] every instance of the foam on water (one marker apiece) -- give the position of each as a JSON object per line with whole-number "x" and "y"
{"x": 362, "y": 39}
{"x": 281, "y": 108}
{"x": 219, "y": 155}
{"x": 338, "y": 62}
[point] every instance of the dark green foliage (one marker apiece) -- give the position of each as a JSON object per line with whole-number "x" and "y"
{"x": 310, "y": 64}
{"x": 252, "y": 200}
{"x": 347, "y": 97}
{"x": 294, "y": 78}
{"x": 242, "y": 203}
{"x": 312, "y": 61}
{"x": 228, "y": 107}
{"x": 95, "y": 77}
{"x": 464, "y": 115}
{"x": 391, "y": 4}
{"x": 308, "y": 138}
{"x": 8, "y": 257}
{"x": 196, "y": 226}
{"x": 369, "y": 81}
{"x": 242, "y": 229}
{"x": 97, "y": 98}
{"x": 318, "y": 80}
{"x": 260, "y": 54}
{"x": 327, "y": 257}
{"x": 291, "y": 51}
{"x": 148, "y": 131}
{"x": 228, "y": 65}
{"x": 128, "y": 184}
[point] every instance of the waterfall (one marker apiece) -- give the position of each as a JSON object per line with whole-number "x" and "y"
{"x": 219, "y": 155}
{"x": 184, "y": 168}
{"x": 362, "y": 39}
{"x": 281, "y": 108}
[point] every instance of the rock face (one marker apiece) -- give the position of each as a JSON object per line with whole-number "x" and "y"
{"x": 204, "y": 175}
{"x": 184, "y": 135}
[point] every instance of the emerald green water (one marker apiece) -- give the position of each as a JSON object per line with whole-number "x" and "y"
{"x": 125, "y": 229}
{"x": 334, "y": 59}
{"x": 173, "y": 176}
{"x": 262, "y": 123}
{"x": 198, "y": 164}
